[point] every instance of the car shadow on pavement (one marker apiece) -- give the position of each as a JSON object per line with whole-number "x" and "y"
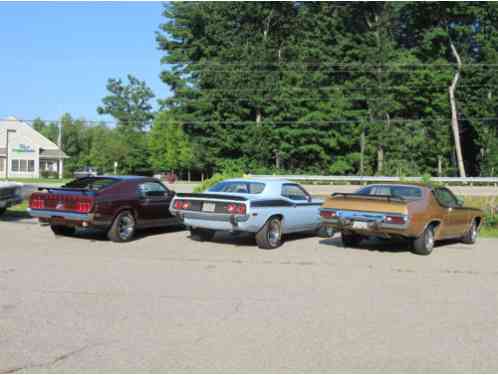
{"x": 387, "y": 246}
{"x": 248, "y": 239}
{"x": 98, "y": 235}
{"x": 382, "y": 245}
{"x": 15, "y": 216}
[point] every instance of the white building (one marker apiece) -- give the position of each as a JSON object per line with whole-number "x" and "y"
{"x": 25, "y": 153}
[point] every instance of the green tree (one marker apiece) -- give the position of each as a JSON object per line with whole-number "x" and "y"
{"x": 129, "y": 104}
{"x": 169, "y": 146}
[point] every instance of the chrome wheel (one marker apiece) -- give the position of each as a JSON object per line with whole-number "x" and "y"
{"x": 473, "y": 232}
{"x": 429, "y": 239}
{"x": 274, "y": 233}
{"x": 126, "y": 226}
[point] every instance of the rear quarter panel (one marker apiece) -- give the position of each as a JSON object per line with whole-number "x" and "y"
{"x": 118, "y": 197}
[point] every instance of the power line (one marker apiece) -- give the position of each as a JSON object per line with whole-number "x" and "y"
{"x": 281, "y": 122}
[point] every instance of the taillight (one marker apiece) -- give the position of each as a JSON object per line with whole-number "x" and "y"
{"x": 182, "y": 205}
{"x": 327, "y": 214}
{"x": 36, "y": 202}
{"x": 238, "y": 209}
{"x": 83, "y": 206}
{"x": 398, "y": 220}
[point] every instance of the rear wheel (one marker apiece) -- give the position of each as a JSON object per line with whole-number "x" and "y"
{"x": 270, "y": 236}
{"x": 62, "y": 230}
{"x": 123, "y": 227}
{"x": 424, "y": 244}
{"x": 351, "y": 239}
{"x": 201, "y": 234}
{"x": 471, "y": 235}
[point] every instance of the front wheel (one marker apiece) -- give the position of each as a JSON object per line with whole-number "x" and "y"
{"x": 424, "y": 244}
{"x": 62, "y": 230}
{"x": 201, "y": 234}
{"x": 470, "y": 236}
{"x": 270, "y": 236}
{"x": 123, "y": 227}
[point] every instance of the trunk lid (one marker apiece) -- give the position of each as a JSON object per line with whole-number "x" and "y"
{"x": 367, "y": 203}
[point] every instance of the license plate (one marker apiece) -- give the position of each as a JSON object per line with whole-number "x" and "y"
{"x": 360, "y": 225}
{"x": 208, "y": 207}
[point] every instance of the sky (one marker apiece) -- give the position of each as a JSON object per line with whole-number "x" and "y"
{"x": 57, "y": 57}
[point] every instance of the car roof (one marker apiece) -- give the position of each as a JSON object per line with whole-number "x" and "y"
{"x": 260, "y": 180}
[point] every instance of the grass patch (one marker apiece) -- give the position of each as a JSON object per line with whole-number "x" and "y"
{"x": 487, "y": 231}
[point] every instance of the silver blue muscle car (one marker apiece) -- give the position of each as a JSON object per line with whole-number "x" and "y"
{"x": 267, "y": 207}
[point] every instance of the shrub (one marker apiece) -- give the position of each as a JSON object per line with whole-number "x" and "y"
{"x": 49, "y": 174}
{"x": 217, "y": 177}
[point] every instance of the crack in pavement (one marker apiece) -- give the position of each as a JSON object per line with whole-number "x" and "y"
{"x": 53, "y": 362}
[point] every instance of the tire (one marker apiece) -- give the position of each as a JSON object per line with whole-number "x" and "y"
{"x": 470, "y": 236}
{"x": 325, "y": 232}
{"x": 202, "y": 234}
{"x": 122, "y": 228}
{"x": 62, "y": 230}
{"x": 424, "y": 244}
{"x": 351, "y": 240}
{"x": 2, "y": 210}
{"x": 270, "y": 236}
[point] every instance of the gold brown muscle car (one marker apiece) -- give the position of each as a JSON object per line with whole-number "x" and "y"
{"x": 420, "y": 213}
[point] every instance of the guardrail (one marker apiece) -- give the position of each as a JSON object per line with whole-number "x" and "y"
{"x": 365, "y": 179}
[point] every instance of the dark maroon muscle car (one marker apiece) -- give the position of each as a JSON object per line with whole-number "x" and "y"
{"x": 117, "y": 204}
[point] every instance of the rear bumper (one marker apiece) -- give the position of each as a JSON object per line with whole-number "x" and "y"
{"x": 73, "y": 219}
{"x": 371, "y": 224}
{"x": 214, "y": 221}
{"x": 9, "y": 202}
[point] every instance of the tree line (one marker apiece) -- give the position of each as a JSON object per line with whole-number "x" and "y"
{"x": 325, "y": 88}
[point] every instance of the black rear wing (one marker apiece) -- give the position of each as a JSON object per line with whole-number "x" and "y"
{"x": 74, "y": 190}
{"x": 388, "y": 198}
{"x": 211, "y": 196}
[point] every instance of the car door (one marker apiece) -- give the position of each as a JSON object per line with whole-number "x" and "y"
{"x": 303, "y": 213}
{"x": 155, "y": 199}
{"x": 455, "y": 218}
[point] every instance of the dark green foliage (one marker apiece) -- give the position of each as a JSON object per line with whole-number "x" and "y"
{"x": 292, "y": 86}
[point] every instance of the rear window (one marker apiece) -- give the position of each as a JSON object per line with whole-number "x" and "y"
{"x": 404, "y": 192}
{"x": 242, "y": 187}
{"x": 91, "y": 183}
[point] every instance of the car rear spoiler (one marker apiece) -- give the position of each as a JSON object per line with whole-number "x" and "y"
{"x": 211, "y": 196}
{"x": 76, "y": 190}
{"x": 389, "y": 198}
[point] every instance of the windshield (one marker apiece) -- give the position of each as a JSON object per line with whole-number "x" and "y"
{"x": 243, "y": 187}
{"x": 91, "y": 183}
{"x": 395, "y": 191}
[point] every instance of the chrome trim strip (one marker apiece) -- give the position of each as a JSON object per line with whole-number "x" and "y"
{"x": 66, "y": 215}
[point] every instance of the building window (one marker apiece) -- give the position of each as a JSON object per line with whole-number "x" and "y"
{"x": 15, "y": 165}
{"x": 23, "y": 165}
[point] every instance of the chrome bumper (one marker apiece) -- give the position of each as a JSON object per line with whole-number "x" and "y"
{"x": 375, "y": 221}
{"x": 211, "y": 220}
{"x": 48, "y": 214}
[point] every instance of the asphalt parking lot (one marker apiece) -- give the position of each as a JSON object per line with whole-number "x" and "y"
{"x": 166, "y": 303}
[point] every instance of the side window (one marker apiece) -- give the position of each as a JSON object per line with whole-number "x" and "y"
{"x": 445, "y": 198}
{"x": 294, "y": 192}
{"x": 152, "y": 189}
